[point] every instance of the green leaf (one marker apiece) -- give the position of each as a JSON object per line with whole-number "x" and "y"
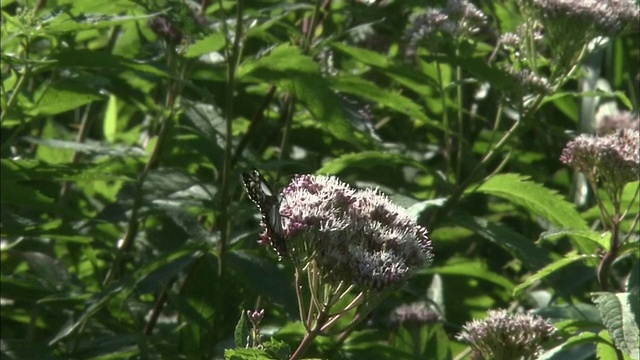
{"x": 110, "y": 122}
{"x": 26, "y": 349}
{"x": 576, "y": 312}
{"x": 213, "y": 42}
{"x": 588, "y": 242}
{"x": 89, "y": 147}
{"x": 517, "y": 245}
{"x": 65, "y": 23}
{"x": 300, "y": 75}
{"x": 606, "y": 350}
{"x": 403, "y": 74}
{"x": 550, "y": 269}
{"x": 247, "y": 354}
{"x": 241, "y": 331}
{"x": 536, "y": 198}
{"x": 63, "y": 96}
{"x": 30, "y": 170}
{"x": 618, "y": 317}
{"x": 30, "y": 198}
{"x": 99, "y": 60}
{"x": 472, "y": 269}
{"x": 619, "y": 95}
{"x": 386, "y": 98}
{"x": 367, "y": 160}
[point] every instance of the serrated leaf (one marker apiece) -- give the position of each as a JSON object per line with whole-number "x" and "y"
{"x": 517, "y": 245}
{"x": 26, "y": 349}
{"x": 262, "y": 276}
{"x": 619, "y": 95}
{"x": 64, "y": 23}
{"x": 47, "y": 268}
{"x": 536, "y": 198}
{"x": 578, "y": 312}
{"x": 606, "y": 350}
{"x": 30, "y": 198}
{"x": 212, "y": 42}
{"x": 110, "y": 120}
{"x": 405, "y": 75}
{"x": 473, "y": 269}
{"x": 241, "y": 331}
{"x": 300, "y": 75}
{"x": 30, "y": 170}
{"x": 578, "y": 347}
{"x": 550, "y": 269}
{"x": 588, "y": 242}
{"x": 91, "y": 148}
{"x": 63, "y": 96}
{"x": 382, "y": 97}
{"x": 247, "y": 354}
{"x": 99, "y": 60}
{"x": 367, "y": 160}
{"x": 618, "y": 317}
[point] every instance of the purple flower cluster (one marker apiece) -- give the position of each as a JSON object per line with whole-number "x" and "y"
{"x": 613, "y": 158}
{"x": 414, "y": 314}
{"x": 570, "y": 25}
{"x": 458, "y": 18}
{"x": 503, "y": 336}
{"x": 622, "y": 120}
{"x": 353, "y": 236}
{"x": 607, "y": 17}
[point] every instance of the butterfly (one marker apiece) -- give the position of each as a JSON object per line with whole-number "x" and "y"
{"x": 269, "y": 204}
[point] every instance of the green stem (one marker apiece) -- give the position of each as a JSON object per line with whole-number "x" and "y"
{"x": 460, "y": 130}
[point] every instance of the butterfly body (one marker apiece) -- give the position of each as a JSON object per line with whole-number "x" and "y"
{"x": 268, "y": 202}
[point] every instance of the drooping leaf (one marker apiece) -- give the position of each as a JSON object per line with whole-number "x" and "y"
{"x": 517, "y": 245}
{"x": 472, "y": 269}
{"x": 367, "y": 160}
{"x": 536, "y": 198}
{"x": 382, "y": 97}
{"x": 550, "y": 269}
{"x": 98, "y": 60}
{"x": 415, "y": 80}
{"x": 299, "y": 74}
{"x": 63, "y": 96}
{"x": 241, "y": 331}
{"x": 210, "y": 43}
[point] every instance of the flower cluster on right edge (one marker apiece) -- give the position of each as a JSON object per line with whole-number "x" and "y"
{"x": 613, "y": 158}
{"x": 353, "y": 236}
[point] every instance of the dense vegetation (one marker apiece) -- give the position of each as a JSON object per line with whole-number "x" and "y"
{"x": 127, "y": 231}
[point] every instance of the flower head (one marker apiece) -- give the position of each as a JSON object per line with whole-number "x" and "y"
{"x": 606, "y": 17}
{"x": 503, "y": 336}
{"x": 569, "y": 25}
{"x": 355, "y": 236}
{"x": 622, "y": 120}
{"x": 612, "y": 158}
{"x": 459, "y": 18}
{"x": 416, "y": 313}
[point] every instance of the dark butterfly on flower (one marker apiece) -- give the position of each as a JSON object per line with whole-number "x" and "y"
{"x": 269, "y": 204}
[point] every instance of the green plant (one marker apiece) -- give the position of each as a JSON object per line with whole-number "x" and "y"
{"x": 126, "y": 126}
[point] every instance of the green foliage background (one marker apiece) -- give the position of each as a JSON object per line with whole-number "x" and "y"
{"x": 126, "y": 232}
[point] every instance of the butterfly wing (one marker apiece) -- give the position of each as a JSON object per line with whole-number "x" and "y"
{"x": 269, "y": 204}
